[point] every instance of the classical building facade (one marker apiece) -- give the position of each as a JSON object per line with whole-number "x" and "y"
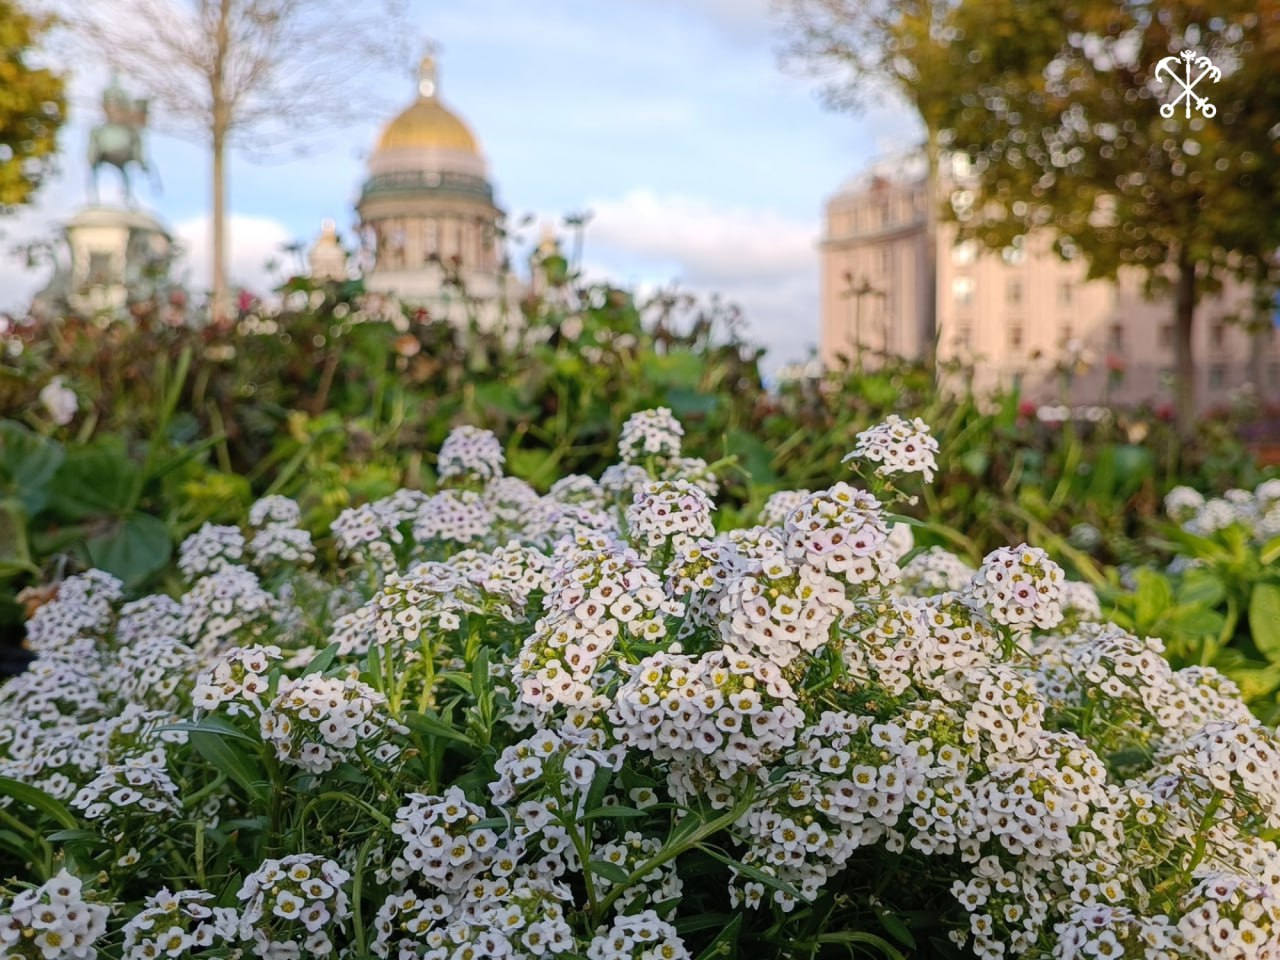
{"x": 429, "y": 226}
{"x": 1021, "y": 315}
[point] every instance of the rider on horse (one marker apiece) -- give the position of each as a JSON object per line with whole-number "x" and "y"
{"x": 118, "y": 141}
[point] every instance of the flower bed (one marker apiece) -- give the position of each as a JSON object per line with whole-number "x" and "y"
{"x": 587, "y": 724}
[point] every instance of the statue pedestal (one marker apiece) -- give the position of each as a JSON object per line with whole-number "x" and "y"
{"x": 117, "y": 256}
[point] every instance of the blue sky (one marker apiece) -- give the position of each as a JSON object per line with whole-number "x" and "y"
{"x": 703, "y": 163}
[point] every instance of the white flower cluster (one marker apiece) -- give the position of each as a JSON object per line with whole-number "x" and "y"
{"x": 841, "y": 532}
{"x": 898, "y": 446}
{"x": 470, "y": 454}
{"x": 440, "y": 845}
{"x": 655, "y": 434}
{"x": 781, "y": 610}
{"x": 699, "y": 573}
{"x": 292, "y": 907}
{"x": 644, "y": 936}
{"x": 1100, "y": 930}
{"x": 716, "y": 716}
{"x": 369, "y": 533}
{"x": 84, "y": 606}
{"x": 600, "y": 597}
{"x": 227, "y": 607}
{"x": 237, "y": 679}
{"x": 135, "y": 788}
{"x": 1020, "y": 587}
{"x": 274, "y": 510}
{"x": 179, "y": 924}
{"x": 210, "y": 549}
{"x": 54, "y": 921}
{"x": 577, "y": 752}
{"x": 1257, "y": 513}
{"x": 1230, "y": 915}
{"x": 59, "y": 401}
{"x": 316, "y": 722}
{"x": 669, "y": 511}
{"x": 457, "y": 516}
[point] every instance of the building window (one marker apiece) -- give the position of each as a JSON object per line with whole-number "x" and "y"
{"x": 1013, "y": 292}
{"x": 1217, "y": 376}
{"x": 1015, "y": 336}
{"x": 1117, "y": 337}
{"x": 1166, "y": 335}
{"x": 1218, "y": 335}
{"x": 1065, "y": 335}
{"x": 964, "y": 336}
{"x": 886, "y": 259}
{"x": 885, "y": 219}
{"x": 1065, "y": 293}
{"x": 962, "y": 291}
{"x": 963, "y": 254}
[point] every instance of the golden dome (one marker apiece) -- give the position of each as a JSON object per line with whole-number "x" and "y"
{"x": 427, "y": 123}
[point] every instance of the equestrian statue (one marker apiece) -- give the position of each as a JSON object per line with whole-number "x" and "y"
{"x": 118, "y": 141}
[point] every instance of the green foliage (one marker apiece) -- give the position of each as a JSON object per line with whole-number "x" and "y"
{"x": 1059, "y": 110}
{"x": 32, "y": 107}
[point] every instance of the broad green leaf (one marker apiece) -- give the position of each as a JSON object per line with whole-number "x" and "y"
{"x": 38, "y": 800}
{"x": 28, "y": 463}
{"x": 613, "y": 812}
{"x": 896, "y": 928}
{"x": 322, "y": 661}
{"x": 218, "y": 726}
{"x": 1201, "y": 586}
{"x": 94, "y": 481}
{"x": 1153, "y": 597}
{"x": 1270, "y": 551}
{"x": 132, "y": 548}
{"x": 1264, "y": 620}
{"x": 610, "y": 871}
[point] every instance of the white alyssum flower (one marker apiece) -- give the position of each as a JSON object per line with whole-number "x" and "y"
{"x": 469, "y": 453}
{"x": 179, "y": 924}
{"x": 649, "y": 434}
{"x": 1021, "y": 587}
{"x": 297, "y": 900}
{"x": 54, "y": 921}
{"x": 898, "y": 446}
{"x": 59, "y": 401}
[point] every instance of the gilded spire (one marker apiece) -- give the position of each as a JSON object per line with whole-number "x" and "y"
{"x": 428, "y": 73}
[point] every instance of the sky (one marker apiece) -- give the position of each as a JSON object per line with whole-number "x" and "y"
{"x": 703, "y": 164}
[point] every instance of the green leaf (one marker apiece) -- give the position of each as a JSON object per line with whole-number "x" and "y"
{"x": 1264, "y": 619}
{"x": 610, "y": 871}
{"x": 975, "y": 462}
{"x": 1153, "y": 597}
{"x": 726, "y": 942}
{"x": 433, "y": 726}
{"x": 132, "y": 548}
{"x": 94, "y": 481}
{"x": 613, "y": 812}
{"x": 28, "y": 463}
{"x": 37, "y": 799}
{"x": 322, "y": 661}
{"x": 1201, "y": 586}
{"x": 1270, "y": 551}
{"x": 752, "y": 873}
{"x": 219, "y": 726}
{"x": 15, "y": 552}
{"x": 895, "y": 927}
{"x": 234, "y": 761}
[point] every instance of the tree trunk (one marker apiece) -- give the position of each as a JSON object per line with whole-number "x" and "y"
{"x": 221, "y": 305}
{"x": 929, "y": 321}
{"x": 218, "y": 140}
{"x": 1184, "y": 361}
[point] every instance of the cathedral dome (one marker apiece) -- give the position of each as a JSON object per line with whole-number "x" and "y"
{"x": 427, "y": 123}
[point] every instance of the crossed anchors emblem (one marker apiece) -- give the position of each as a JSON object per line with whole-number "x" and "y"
{"x": 1167, "y": 68}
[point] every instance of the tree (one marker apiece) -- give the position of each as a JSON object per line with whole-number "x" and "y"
{"x": 1058, "y": 107}
{"x": 862, "y": 49}
{"x": 32, "y": 107}
{"x": 253, "y": 75}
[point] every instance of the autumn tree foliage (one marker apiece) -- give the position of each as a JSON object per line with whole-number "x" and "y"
{"x": 32, "y": 107}
{"x": 1059, "y": 108}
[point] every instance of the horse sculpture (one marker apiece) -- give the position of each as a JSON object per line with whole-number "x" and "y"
{"x": 118, "y": 141}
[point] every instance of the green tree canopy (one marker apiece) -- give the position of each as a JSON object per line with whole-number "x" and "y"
{"x": 1058, "y": 107}
{"x": 32, "y": 107}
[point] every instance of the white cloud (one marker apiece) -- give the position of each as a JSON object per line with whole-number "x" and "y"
{"x": 253, "y": 241}
{"x": 763, "y": 262}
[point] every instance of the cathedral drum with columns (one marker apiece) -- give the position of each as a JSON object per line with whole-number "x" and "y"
{"x": 428, "y": 218}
